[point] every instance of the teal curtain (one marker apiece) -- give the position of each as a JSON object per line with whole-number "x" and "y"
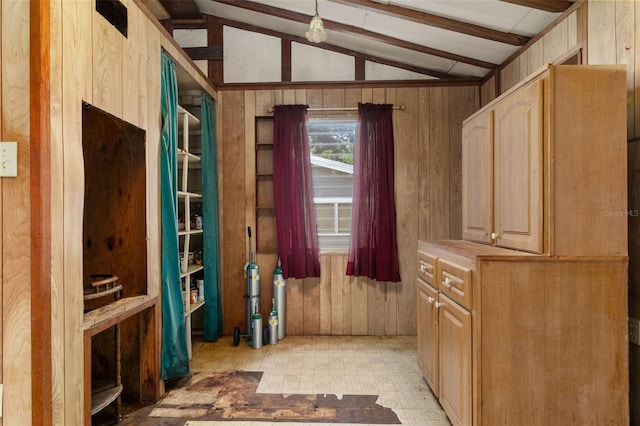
{"x": 175, "y": 358}
{"x": 210, "y": 221}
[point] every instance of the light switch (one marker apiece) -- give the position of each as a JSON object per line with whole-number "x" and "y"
{"x": 8, "y": 159}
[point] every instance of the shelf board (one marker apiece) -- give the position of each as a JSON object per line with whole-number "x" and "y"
{"x": 193, "y": 158}
{"x": 191, "y": 269}
{"x": 104, "y": 396}
{"x": 195, "y": 306}
{"x": 193, "y": 121}
{"x": 185, "y": 194}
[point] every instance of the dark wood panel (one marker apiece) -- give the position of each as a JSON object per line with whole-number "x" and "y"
{"x": 234, "y": 231}
{"x": 264, "y": 161}
{"x": 266, "y": 237}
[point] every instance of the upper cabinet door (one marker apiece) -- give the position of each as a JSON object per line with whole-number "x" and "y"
{"x": 518, "y": 197}
{"x": 477, "y": 178}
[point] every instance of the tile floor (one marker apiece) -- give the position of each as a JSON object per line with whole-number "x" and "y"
{"x": 383, "y": 366}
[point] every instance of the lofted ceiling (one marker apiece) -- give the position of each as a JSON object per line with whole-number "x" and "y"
{"x": 452, "y": 39}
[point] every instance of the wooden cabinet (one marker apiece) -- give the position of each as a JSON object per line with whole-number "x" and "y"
{"x": 444, "y": 333}
{"x": 543, "y": 342}
{"x": 528, "y": 314}
{"x": 190, "y": 229}
{"x": 543, "y": 164}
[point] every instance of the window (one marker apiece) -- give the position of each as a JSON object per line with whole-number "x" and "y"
{"x": 331, "y": 144}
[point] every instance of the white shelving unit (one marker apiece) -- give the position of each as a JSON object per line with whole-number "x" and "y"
{"x": 190, "y": 231}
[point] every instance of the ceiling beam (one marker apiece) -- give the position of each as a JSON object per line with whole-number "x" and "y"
{"x": 546, "y": 5}
{"x": 438, "y": 21}
{"x": 182, "y": 9}
{"x": 348, "y": 29}
{"x": 342, "y": 50}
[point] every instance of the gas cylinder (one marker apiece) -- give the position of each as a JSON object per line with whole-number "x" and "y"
{"x": 273, "y": 325}
{"x": 279, "y": 296}
{"x": 256, "y": 321}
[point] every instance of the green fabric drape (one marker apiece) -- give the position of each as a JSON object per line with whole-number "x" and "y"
{"x": 210, "y": 221}
{"x": 175, "y": 358}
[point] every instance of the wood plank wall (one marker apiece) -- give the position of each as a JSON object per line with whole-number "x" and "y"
{"x": 90, "y": 61}
{"x": 15, "y": 216}
{"x": 428, "y": 205}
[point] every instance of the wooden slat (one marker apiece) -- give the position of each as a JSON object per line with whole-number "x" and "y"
{"x": 337, "y": 278}
{"x": 16, "y": 211}
{"x": 625, "y": 37}
{"x": 391, "y": 289}
{"x": 314, "y": 98}
{"x": 376, "y": 291}
{"x": 264, "y": 101}
{"x": 359, "y": 306}
{"x": 295, "y": 307}
{"x": 423, "y": 158}
{"x": 439, "y": 164}
{"x": 602, "y": 32}
{"x": 556, "y": 42}
{"x": 407, "y": 193}
{"x": 289, "y": 97}
{"x": 325, "y": 293}
{"x": 132, "y": 53}
{"x": 311, "y": 301}
{"x": 332, "y": 98}
{"x": 352, "y": 97}
{"x": 108, "y": 58}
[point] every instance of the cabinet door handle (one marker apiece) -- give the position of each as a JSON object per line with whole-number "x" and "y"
{"x": 494, "y": 236}
{"x": 438, "y": 304}
{"x": 430, "y": 299}
{"x": 423, "y": 268}
{"x": 447, "y": 282}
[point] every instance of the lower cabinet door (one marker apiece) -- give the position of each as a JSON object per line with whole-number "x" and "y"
{"x": 428, "y": 334}
{"x": 455, "y": 361}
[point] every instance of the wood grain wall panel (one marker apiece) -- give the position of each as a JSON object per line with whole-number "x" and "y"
{"x": 602, "y": 33}
{"x": 633, "y": 161}
{"x": 337, "y": 285}
{"x": 391, "y": 289}
{"x": 253, "y": 102}
{"x": 77, "y": 85}
{"x": 463, "y": 103}
{"x": 234, "y": 243}
{"x": 57, "y": 217}
{"x": 509, "y": 76}
{"x": 314, "y": 98}
{"x": 572, "y": 30}
{"x": 379, "y": 95}
{"x": 333, "y": 98}
{"x": 301, "y": 96}
{"x": 277, "y": 98}
{"x": 16, "y": 237}
{"x": 359, "y": 306}
{"x": 535, "y": 56}
{"x": 108, "y": 57}
{"x": 556, "y": 42}
{"x": 311, "y": 307}
{"x": 376, "y": 300}
{"x": 439, "y": 137}
{"x": 289, "y": 97}
{"x": 131, "y": 54}
{"x": 407, "y": 184}
{"x": 295, "y": 307}
{"x": 325, "y": 294}
{"x": 367, "y": 95}
{"x": 424, "y": 124}
{"x": 264, "y": 101}
{"x": 488, "y": 91}
{"x": 352, "y": 97}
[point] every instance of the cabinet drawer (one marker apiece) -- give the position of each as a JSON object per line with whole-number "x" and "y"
{"x": 427, "y": 268}
{"x": 455, "y": 281}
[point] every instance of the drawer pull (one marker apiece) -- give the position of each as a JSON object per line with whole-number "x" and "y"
{"x": 447, "y": 282}
{"x": 438, "y": 304}
{"x": 423, "y": 268}
{"x": 430, "y": 299}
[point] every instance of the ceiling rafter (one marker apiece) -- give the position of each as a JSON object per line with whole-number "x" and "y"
{"x": 546, "y": 5}
{"x": 182, "y": 9}
{"x": 342, "y": 50}
{"x": 348, "y": 29}
{"x": 439, "y": 21}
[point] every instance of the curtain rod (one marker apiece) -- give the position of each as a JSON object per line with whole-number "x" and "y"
{"x": 398, "y": 107}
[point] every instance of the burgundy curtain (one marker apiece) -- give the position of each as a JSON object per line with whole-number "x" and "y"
{"x": 295, "y": 221}
{"x": 373, "y": 250}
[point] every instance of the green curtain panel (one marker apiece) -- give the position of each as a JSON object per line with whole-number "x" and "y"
{"x": 175, "y": 358}
{"x": 210, "y": 221}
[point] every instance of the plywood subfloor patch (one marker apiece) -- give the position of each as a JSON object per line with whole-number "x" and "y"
{"x": 232, "y": 396}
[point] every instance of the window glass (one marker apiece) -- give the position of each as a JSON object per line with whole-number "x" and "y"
{"x": 331, "y": 144}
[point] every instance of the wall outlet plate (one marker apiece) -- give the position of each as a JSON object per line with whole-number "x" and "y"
{"x": 634, "y": 331}
{"x": 8, "y": 159}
